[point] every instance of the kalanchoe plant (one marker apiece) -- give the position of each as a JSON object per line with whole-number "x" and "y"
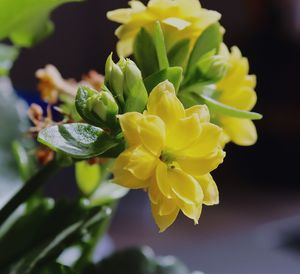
{"x": 158, "y": 122}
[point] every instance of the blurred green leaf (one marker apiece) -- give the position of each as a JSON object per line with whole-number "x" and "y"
{"x": 159, "y": 43}
{"x": 56, "y": 268}
{"x": 107, "y": 192}
{"x": 173, "y": 74}
{"x": 13, "y": 124}
{"x": 26, "y": 22}
{"x": 8, "y": 55}
{"x": 179, "y": 53}
{"x": 209, "y": 40}
{"x": 78, "y": 140}
{"x": 138, "y": 261}
{"x": 87, "y": 176}
{"x": 145, "y": 53}
{"x": 24, "y": 161}
{"x": 218, "y": 107}
{"x": 40, "y": 236}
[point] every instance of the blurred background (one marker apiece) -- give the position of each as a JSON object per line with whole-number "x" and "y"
{"x": 256, "y": 227}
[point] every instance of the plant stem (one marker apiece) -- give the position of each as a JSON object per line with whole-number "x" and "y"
{"x": 29, "y": 188}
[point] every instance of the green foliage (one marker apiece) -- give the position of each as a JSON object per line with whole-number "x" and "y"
{"x": 87, "y": 176}
{"x": 78, "y": 140}
{"x": 173, "y": 74}
{"x": 209, "y": 40}
{"x": 138, "y": 261}
{"x": 159, "y": 43}
{"x": 179, "y": 53}
{"x": 145, "y": 53}
{"x": 56, "y": 268}
{"x": 26, "y": 22}
{"x": 8, "y": 55}
{"x": 39, "y": 236}
{"x": 218, "y": 107}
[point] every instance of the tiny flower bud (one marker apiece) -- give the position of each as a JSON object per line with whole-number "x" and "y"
{"x": 116, "y": 82}
{"x": 213, "y": 67}
{"x": 136, "y": 95}
{"x": 105, "y": 106}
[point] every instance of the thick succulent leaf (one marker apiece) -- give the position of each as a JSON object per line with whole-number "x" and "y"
{"x": 145, "y": 53}
{"x": 218, "y": 107}
{"x": 26, "y": 22}
{"x": 78, "y": 140}
{"x": 159, "y": 42}
{"x": 179, "y": 53}
{"x": 209, "y": 40}
{"x": 8, "y": 54}
{"x": 173, "y": 74}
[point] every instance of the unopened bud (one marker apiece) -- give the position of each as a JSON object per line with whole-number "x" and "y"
{"x": 105, "y": 106}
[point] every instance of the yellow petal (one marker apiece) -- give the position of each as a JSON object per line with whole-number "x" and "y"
{"x": 191, "y": 211}
{"x": 164, "y": 221}
{"x": 120, "y": 15}
{"x": 177, "y": 23}
{"x": 128, "y": 122}
{"x": 141, "y": 163}
{"x": 202, "y": 165}
{"x": 162, "y": 180}
{"x": 125, "y": 47}
{"x": 164, "y": 103}
{"x": 153, "y": 192}
{"x": 152, "y": 133}
{"x": 210, "y": 189}
{"x": 167, "y": 206}
{"x": 201, "y": 111}
{"x": 122, "y": 176}
{"x": 184, "y": 133}
{"x": 206, "y": 143}
{"x": 241, "y": 131}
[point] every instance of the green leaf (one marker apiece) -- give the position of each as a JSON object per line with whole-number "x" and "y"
{"x": 173, "y": 74}
{"x": 56, "y": 268}
{"x": 24, "y": 161}
{"x": 82, "y": 96}
{"x": 159, "y": 42}
{"x": 26, "y": 22}
{"x": 107, "y": 192}
{"x": 229, "y": 111}
{"x": 145, "y": 53}
{"x": 178, "y": 54}
{"x": 87, "y": 176}
{"x": 209, "y": 40}
{"x": 139, "y": 261}
{"x": 8, "y": 55}
{"x": 80, "y": 141}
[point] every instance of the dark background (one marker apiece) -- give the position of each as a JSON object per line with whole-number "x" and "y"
{"x": 258, "y": 184}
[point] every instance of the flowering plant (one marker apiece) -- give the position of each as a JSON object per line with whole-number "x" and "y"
{"x": 159, "y": 122}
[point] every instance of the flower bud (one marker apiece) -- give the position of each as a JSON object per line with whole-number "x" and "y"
{"x": 116, "y": 82}
{"x": 136, "y": 95}
{"x": 213, "y": 67}
{"x": 105, "y": 107}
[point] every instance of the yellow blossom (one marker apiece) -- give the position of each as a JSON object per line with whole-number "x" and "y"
{"x": 237, "y": 90}
{"x": 180, "y": 19}
{"x": 171, "y": 152}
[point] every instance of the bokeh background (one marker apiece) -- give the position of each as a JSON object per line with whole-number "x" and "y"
{"x": 256, "y": 227}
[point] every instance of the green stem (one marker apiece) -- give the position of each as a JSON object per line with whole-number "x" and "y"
{"x": 29, "y": 188}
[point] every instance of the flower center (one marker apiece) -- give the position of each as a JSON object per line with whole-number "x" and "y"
{"x": 168, "y": 158}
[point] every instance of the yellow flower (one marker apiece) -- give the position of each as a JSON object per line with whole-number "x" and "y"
{"x": 237, "y": 90}
{"x": 171, "y": 151}
{"x": 180, "y": 19}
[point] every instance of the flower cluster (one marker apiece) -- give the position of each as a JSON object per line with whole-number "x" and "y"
{"x": 171, "y": 152}
{"x": 165, "y": 116}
